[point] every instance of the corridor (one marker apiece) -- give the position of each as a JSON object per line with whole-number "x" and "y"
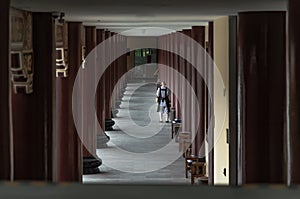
{"x": 137, "y": 130}
{"x": 78, "y": 113}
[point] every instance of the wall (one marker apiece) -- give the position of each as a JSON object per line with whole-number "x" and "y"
{"x": 221, "y": 58}
{"x": 142, "y": 42}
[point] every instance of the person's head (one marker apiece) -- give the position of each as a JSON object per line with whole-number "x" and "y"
{"x": 163, "y": 83}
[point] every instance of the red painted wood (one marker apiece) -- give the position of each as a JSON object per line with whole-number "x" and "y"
{"x": 69, "y": 146}
{"x": 198, "y": 34}
{"x": 294, "y": 82}
{"x": 261, "y": 69}
{"x": 186, "y": 91}
{"x": 32, "y": 114}
{"x": 108, "y": 81}
{"x": 100, "y": 96}
{"x": 177, "y": 68}
{"x": 90, "y": 44}
{"x": 5, "y": 155}
{"x": 211, "y": 102}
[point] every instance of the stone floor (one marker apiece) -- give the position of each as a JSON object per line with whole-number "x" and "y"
{"x": 140, "y": 150}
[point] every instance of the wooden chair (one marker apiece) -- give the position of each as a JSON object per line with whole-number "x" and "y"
{"x": 175, "y": 129}
{"x": 188, "y": 160}
{"x": 198, "y": 170}
{"x": 195, "y": 165}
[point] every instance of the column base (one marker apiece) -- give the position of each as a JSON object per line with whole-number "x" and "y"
{"x": 102, "y": 140}
{"x": 91, "y": 165}
{"x": 118, "y": 103}
{"x": 114, "y": 113}
{"x": 108, "y": 124}
{"x": 122, "y": 94}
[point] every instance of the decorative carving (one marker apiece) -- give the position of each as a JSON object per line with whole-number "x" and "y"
{"x": 22, "y": 71}
{"x": 61, "y": 62}
{"x": 83, "y": 52}
{"x": 59, "y": 35}
{"x": 28, "y": 31}
{"x": 21, "y": 30}
{"x": 83, "y": 55}
{"x": 21, "y": 67}
{"x": 61, "y": 50}
{"x": 65, "y": 35}
{"x": 17, "y": 28}
{"x": 82, "y": 36}
{"x": 83, "y": 46}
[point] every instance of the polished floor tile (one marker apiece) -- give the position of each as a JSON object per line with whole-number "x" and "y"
{"x": 140, "y": 149}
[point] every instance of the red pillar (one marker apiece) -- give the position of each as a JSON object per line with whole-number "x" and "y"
{"x": 168, "y": 60}
{"x": 90, "y": 44}
{"x": 121, "y": 68}
{"x": 162, "y": 73}
{"x": 123, "y": 63}
{"x": 32, "y": 115}
{"x": 100, "y": 89}
{"x": 69, "y": 146}
{"x": 210, "y": 115}
{"x": 165, "y": 58}
{"x": 108, "y": 76}
{"x": 293, "y": 108}
{"x": 198, "y": 34}
{"x": 159, "y": 52}
{"x": 102, "y": 138}
{"x": 117, "y": 45}
{"x": 181, "y": 71}
{"x": 116, "y": 72}
{"x": 5, "y": 144}
{"x": 186, "y": 72}
{"x": 113, "y": 74}
{"x": 178, "y": 81}
{"x": 172, "y": 73}
{"x": 261, "y": 78}
{"x": 159, "y": 56}
{"x": 90, "y": 160}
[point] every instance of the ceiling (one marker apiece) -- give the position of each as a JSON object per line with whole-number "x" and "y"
{"x": 120, "y": 15}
